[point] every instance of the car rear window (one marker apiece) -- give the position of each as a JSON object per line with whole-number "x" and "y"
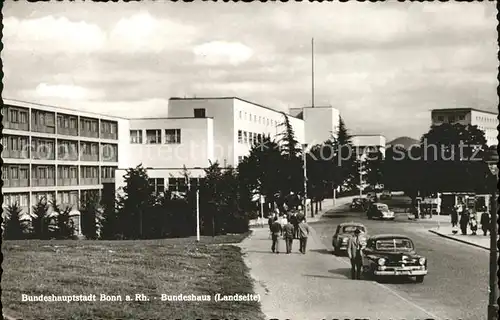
{"x": 394, "y": 244}
{"x": 382, "y": 207}
{"x": 350, "y": 229}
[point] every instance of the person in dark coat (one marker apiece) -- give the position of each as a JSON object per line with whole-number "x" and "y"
{"x": 485, "y": 222}
{"x": 464, "y": 221}
{"x": 354, "y": 251}
{"x": 275, "y": 234}
{"x": 288, "y": 233}
{"x": 295, "y": 223}
{"x": 454, "y": 217}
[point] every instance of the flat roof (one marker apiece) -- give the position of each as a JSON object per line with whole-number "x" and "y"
{"x": 234, "y": 98}
{"x": 13, "y": 102}
{"x": 463, "y": 109}
{"x": 368, "y": 135}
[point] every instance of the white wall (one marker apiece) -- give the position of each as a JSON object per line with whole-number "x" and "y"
{"x": 195, "y": 150}
{"x": 488, "y": 123}
{"x": 320, "y": 124}
{"x": 221, "y": 110}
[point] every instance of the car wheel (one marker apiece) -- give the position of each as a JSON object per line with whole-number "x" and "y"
{"x": 419, "y": 279}
{"x": 336, "y": 251}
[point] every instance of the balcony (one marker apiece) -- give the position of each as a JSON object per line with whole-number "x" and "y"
{"x": 16, "y": 183}
{"x": 43, "y": 155}
{"x": 89, "y": 134}
{"x": 43, "y": 129}
{"x": 67, "y": 182}
{"x": 43, "y": 182}
{"x": 89, "y": 157}
{"x": 16, "y": 125}
{"x": 89, "y": 181}
{"x": 107, "y": 180}
{"x": 68, "y": 131}
{"x": 15, "y": 154}
{"x": 107, "y": 135}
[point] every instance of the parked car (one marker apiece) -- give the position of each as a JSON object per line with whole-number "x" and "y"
{"x": 344, "y": 232}
{"x": 386, "y": 194}
{"x": 380, "y": 210}
{"x": 393, "y": 255}
{"x": 358, "y": 204}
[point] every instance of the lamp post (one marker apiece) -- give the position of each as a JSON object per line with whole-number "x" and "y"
{"x": 304, "y": 160}
{"x": 492, "y": 162}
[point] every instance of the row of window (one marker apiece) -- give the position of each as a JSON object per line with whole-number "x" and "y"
{"x": 21, "y": 172}
{"x": 257, "y": 119}
{"x": 154, "y": 136}
{"x": 174, "y": 184}
{"x": 249, "y": 137}
{"x": 486, "y": 119}
{"x": 44, "y": 121}
{"x": 451, "y": 118}
{"x": 18, "y": 147}
{"x": 63, "y": 197}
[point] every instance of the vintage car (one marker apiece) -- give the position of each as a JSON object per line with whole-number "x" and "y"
{"x": 379, "y": 210}
{"x": 343, "y": 233}
{"x": 393, "y": 255}
{"x": 358, "y": 204}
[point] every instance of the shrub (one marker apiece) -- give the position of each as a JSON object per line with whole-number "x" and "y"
{"x": 14, "y": 228}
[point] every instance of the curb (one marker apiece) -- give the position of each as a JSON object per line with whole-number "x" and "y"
{"x": 459, "y": 240}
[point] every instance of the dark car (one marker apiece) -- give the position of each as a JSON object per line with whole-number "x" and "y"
{"x": 393, "y": 255}
{"x": 358, "y": 204}
{"x": 379, "y": 210}
{"x": 343, "y": 233}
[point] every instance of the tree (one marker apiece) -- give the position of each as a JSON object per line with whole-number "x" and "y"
{"x": 452, "y": 158}
{"x": 291, "y": 163}
{"x": 14, "y": 228}
{"x": 374, "y": 168}
{"x": 40, "y": 221}
{"x": 137, "y": 199}
{"x": 65, "y": 225}
{"x": 91, "y": 216}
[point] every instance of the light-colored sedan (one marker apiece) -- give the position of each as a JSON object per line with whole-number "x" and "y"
{"x": 343, "y": 233}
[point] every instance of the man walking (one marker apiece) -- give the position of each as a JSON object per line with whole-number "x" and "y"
{"x": 288, "y": 233}
{"x": 303, "y": 234}
{"x": 275, "y": 234}
{"x": 295, "y": 224}
{"x": 354, "y": 249}
{"x": 485, "y": 222}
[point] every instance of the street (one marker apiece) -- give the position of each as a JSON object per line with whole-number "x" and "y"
{"x": 457, "y": 284}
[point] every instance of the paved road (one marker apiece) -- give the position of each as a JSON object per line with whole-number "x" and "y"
{"x": 457, "y": 284}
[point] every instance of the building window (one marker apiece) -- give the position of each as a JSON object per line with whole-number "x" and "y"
{"x": 255, "y": 138}
{"x": 172, "y": 136}
{"x": 440, "y": 118}
{"x": 136, "y": 136}
{"x": 158, "y": 184}
{"x": 245, "y": 138}
{"x": 451, "y": 119}
{"x": 240, "y": 159}
{"x": 199, "y": 113}
{"x": 250, "y": 137}
{"x": 259, "y": 138}
{"x": 254, "y": 118}
{"x": 240, "y": 114}
{"x": 461, "y": 117}
{"x": 153, "y": 136}
{"x": 240, "y": 136}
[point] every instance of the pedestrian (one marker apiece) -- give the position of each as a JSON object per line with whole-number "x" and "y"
{"x": 303, "y": 234}
{"x": 485, "y": 222}
{"x": 464, "y": 221}
{"x": 354, "y": 251}
{"x": 473, "y": 223}
{"x": 454, "y": 217}
{"x": 288, "y": 233}
{"x": 275, "y": 233}
{"x": 283, "y": 222}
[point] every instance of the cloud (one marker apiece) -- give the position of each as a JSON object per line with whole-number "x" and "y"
{"x": 69, "y": 92}
{"x": 220, "y": 52}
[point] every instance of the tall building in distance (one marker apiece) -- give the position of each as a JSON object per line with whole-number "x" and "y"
{"x": 368, "y": 143}
{"x": 320, "y": 123}
{"x": 484, "y": 120}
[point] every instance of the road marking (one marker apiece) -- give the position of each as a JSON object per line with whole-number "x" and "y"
{"x": 433, "y": 316}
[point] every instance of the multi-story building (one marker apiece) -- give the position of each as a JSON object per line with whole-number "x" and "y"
{"x": 197, "y": 131}
{"x": 63, "y": 155}
{"x": 484, "y": 120}
{"x": 58, "y": 154}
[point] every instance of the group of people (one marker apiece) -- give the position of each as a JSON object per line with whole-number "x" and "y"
{"x": 462, "y": 216}
{"x": 289, "y": 226}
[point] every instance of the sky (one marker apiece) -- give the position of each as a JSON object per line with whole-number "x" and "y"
{"x": 383, "y": 65}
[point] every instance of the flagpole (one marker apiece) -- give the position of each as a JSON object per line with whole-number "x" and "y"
{"x": 312, "y": 70}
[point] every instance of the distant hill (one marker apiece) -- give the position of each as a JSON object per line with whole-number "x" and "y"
{"x": 405, "y": 142}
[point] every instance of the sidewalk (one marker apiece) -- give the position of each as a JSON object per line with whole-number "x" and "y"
{"x": 317, "y": 285}
{"x": 478, "y": 240}
{"x": 326, "y": 205}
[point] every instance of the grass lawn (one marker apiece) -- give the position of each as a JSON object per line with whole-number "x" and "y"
{"x": 150, "y": 267}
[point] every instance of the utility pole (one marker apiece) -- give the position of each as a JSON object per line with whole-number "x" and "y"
{"x": 312, "y": 70}
{"x": 198, "y": 212}
{"x": 304, "y": 160}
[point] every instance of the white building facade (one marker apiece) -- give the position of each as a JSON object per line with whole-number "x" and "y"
{"x": 320, "y": 123}
{"x": 368, "y": 143}
{"x": 485, "y": 120}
